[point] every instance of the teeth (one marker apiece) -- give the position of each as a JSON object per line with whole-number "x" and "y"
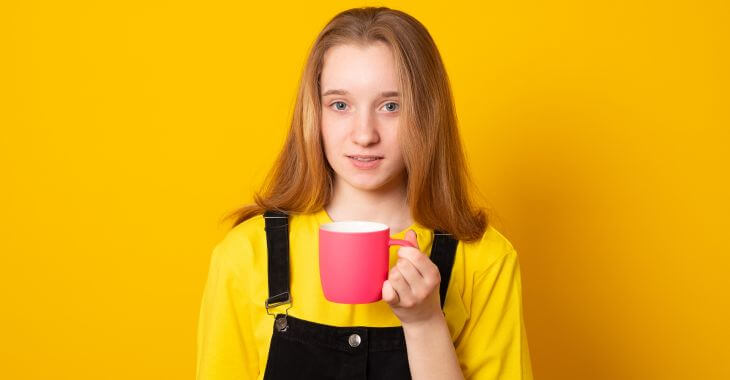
{"x": 365, "y": 159}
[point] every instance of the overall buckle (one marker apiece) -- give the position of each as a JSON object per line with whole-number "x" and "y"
{"x": 274, "y": 301}
{"x": 280, "y": 322}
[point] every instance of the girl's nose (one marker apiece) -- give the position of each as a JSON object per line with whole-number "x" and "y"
{"x": 365, "y": 132}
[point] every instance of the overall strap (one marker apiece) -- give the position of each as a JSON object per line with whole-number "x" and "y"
{"x": 443, "y": 251}
{"x": 277, "y": 243}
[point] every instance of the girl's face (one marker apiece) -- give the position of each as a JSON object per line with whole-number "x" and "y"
{"x": 361, "y": 115}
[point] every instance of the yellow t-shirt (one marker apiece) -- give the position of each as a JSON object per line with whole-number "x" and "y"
{"x": 483, "y": 305}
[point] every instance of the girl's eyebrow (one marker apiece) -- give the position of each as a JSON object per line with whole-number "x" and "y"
{"x": 385, "y": 94}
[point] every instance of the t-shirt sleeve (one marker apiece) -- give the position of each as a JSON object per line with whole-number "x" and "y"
{"x": 225, "y": 344}
{"x": 493, "y": 343}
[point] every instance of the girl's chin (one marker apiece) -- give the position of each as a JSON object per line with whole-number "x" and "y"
{"x": 372, "y": 183}
{"x": 367, "y": 186}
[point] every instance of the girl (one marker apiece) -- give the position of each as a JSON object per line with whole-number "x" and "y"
{"x": 374, "y": 137}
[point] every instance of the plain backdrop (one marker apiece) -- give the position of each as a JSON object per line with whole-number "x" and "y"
{"x": 597, "y": 131}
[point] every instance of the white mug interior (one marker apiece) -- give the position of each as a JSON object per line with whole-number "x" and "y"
{"x": 354, "y": 226}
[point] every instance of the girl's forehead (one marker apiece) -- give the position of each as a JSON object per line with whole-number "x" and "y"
{"x": 343, "y": 59}
{"x": 355, "y": 68}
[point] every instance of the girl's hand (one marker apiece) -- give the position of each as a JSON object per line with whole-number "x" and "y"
{"x": 412, "y": 287}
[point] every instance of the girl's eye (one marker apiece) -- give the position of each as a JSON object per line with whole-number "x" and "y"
{"x": 391, "y": 106}
{"x": 394, "y": 107}
{"x": 336, "y": 105}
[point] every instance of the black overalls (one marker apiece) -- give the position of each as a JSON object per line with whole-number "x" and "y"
{"x": 302, "y": 349}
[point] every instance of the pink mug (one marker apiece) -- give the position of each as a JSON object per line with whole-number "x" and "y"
{"x": 353, "y": 260}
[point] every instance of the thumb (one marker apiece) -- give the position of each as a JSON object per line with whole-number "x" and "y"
{"x": 412, "y": 237}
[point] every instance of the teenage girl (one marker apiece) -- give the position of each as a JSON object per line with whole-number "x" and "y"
{"x": 373, "y": 137}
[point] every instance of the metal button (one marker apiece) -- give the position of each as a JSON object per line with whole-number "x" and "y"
{"x": 281, "y": 324}
{"x": 354, "y": 340}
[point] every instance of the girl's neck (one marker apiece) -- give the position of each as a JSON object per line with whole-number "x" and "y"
{"x": 385, "y": 205}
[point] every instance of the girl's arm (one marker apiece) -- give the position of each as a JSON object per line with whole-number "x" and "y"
{"x": 226, "y": 348}
{"x": 493, "y": 343}
{"x": 412, "y": 291}
{"x": 431, "y": 353}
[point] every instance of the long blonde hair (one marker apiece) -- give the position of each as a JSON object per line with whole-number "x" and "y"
{"x": 301, "y": 180}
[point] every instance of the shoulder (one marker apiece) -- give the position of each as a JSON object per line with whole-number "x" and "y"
{"x": 493, "y": 247}
{"x": 238, "y": 244}
{"x": 251, "y": 233}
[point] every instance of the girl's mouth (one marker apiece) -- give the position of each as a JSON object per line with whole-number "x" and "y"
{"x": 365, "y": 162}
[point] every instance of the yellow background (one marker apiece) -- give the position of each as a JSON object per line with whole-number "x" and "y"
{"x": 597, "y": 131}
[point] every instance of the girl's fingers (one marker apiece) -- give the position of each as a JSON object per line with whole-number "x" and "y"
{"x": 412, "y": 276}
{"x": 389, "y": 294}
{"x": 400, "y": 285}
{"x": 423, "y": 264}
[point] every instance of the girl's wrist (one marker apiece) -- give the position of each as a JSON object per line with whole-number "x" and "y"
{"x": 435, "y": 320}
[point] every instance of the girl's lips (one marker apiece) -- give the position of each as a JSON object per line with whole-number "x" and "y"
{"x": 365, "y": 164}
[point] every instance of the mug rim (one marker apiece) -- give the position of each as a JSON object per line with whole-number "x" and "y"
{"x": 349, "y": 226}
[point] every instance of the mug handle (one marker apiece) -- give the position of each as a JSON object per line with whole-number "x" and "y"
{"x": 400, "y": 242}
